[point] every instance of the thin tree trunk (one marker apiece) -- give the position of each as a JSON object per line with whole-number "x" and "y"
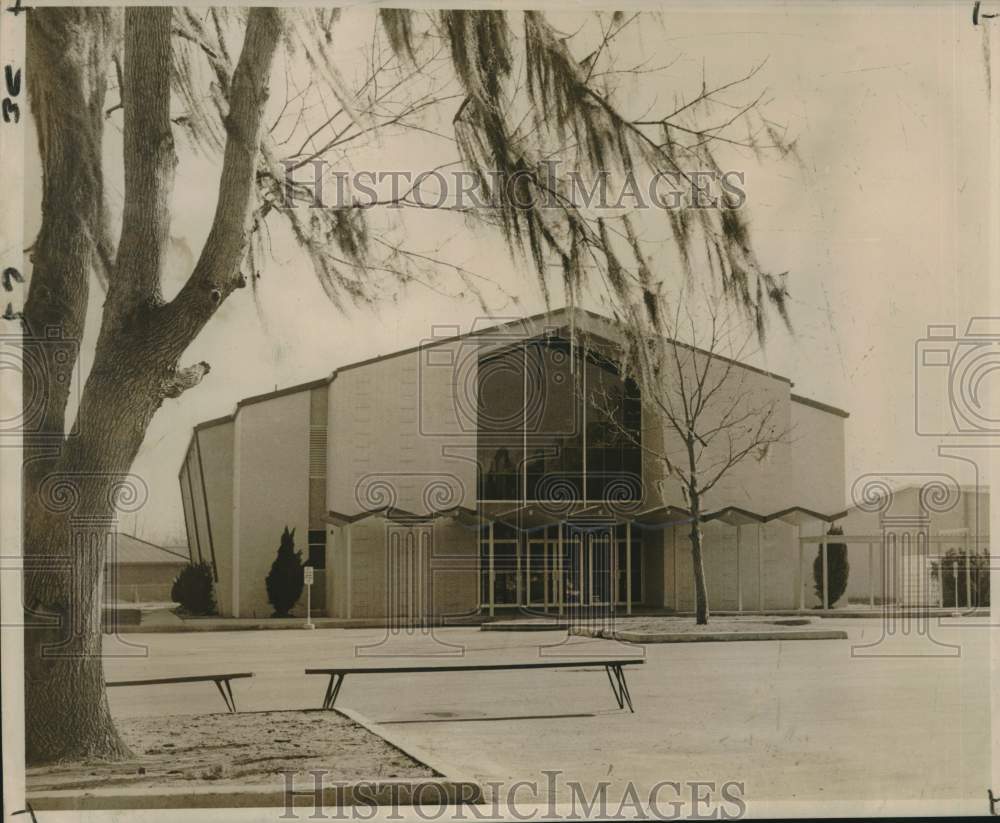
{"x": 700, "y": 589}
{"x": 693, "y": 495}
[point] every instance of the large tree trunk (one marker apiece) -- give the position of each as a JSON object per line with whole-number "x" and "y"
{"x": 73, "y": 486}
{"x": 68, "y": 516}
{"x": 66, "y": 710}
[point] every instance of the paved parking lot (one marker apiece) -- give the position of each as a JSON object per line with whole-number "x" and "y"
{"x": 792, "y": 720}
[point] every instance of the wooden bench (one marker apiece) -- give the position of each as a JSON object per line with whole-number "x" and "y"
{"x": 220, "y": 680}
{"x": 613, "y": 668}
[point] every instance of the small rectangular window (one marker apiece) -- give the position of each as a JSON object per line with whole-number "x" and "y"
{"x": 317, "y": 548}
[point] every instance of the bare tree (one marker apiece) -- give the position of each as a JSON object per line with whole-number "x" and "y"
{"x": 704, "y": 414}
{"x": 521, "y": 99}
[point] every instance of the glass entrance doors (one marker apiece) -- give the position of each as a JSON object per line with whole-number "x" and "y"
{"x": 587, "y": 568}
{"x": 558, "y": 568}
{"x": 579, "y": 571}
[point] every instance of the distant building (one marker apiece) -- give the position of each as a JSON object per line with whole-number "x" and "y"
{"x": 468, "y": 476}
{"x": 140, "y": 571}
{"x": 925, "y": 544}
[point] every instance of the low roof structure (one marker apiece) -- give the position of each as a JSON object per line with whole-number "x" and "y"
{"x": 131, "y": 550}
{"x": 535, "y": 515}
{"x": 459, "y": 513}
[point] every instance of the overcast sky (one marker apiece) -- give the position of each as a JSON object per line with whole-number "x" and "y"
{"x": 882, "y": 227}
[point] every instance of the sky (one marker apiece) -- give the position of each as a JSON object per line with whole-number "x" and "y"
{"x": 881, "y": 223}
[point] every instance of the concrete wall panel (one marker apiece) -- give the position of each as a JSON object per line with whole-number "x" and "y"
{"x": 272, "y": 490}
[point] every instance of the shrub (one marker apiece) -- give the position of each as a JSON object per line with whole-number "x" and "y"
{"x": 194, "y": 590}
{"x": 285, "y": 580}
{"x": 836, "y": 561}
{"x": 964, "y": 578}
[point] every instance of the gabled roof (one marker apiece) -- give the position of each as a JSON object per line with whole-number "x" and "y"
{"x": 134, "y": 550}
{"x": 567, "y": 316}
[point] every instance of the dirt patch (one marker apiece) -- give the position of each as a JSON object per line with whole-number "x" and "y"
{"x": 245, "y": 749}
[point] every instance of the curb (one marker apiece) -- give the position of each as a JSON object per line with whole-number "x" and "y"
{"x": 524, "y": 627}
{"x": 189, "y": 625}
{"x": 411, "y": 792}
{"x": 711, "y": 637}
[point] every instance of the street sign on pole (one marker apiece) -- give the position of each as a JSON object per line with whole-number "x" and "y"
{"x": 307, "y": 572}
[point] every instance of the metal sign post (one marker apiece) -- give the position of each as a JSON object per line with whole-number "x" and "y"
{"x": 307, "y": 572}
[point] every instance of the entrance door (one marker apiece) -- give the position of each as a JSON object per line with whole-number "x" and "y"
{"x": 538, "y": 562}
{"x": 588, "y": 568}
{"x": 600, "y": 589}
{"x": 545, "y": 573}
{"x": 584, "y": 574}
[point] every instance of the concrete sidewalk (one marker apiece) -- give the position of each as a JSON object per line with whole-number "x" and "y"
{"x": 143, "y": 619}
{"x": 153, "y": 621}
{"x": 792, "y": 721}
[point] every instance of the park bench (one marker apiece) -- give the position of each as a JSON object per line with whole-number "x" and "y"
{"x": 220, "y": 680}
{"x": 613, "y": 668}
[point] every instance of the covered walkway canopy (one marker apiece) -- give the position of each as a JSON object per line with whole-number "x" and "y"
{"x": 533, "y": 515}
{"x": 467, "y": 517}
{"x": 559, "y": 530}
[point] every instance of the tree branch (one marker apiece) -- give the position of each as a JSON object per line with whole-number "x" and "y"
{"x": 67, "y": 51}
{"x": 217, "y": 272}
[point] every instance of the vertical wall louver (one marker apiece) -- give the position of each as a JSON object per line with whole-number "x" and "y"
{"x": 317, "y": 452}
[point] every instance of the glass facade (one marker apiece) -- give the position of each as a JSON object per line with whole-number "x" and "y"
{"x": 500, "y": 434}
{"x": 557, "y": 423}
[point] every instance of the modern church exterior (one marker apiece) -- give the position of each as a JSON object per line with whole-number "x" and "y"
{"x": 475, "y": 475}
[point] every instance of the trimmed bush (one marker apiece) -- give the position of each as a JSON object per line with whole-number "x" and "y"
{"x": 964, "y": 578}
{"x": 285, "y": 580}
{"x": 194, "y": 590}
{"x": 836, "y": 561}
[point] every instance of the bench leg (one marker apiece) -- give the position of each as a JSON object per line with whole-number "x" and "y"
{"x": 332, "y": 690}
{"x": 619, "y": 686}
{"x": 614, "y": 687}
{"x": 624, "y": 687}
{"x": 228, "y": 699}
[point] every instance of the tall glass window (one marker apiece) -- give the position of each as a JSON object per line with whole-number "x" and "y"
{"x": 554, "y": 422}
{"x": 554, "y": 429}
{"x": 614, "y": 417}
{"x": 500, "y": 436}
